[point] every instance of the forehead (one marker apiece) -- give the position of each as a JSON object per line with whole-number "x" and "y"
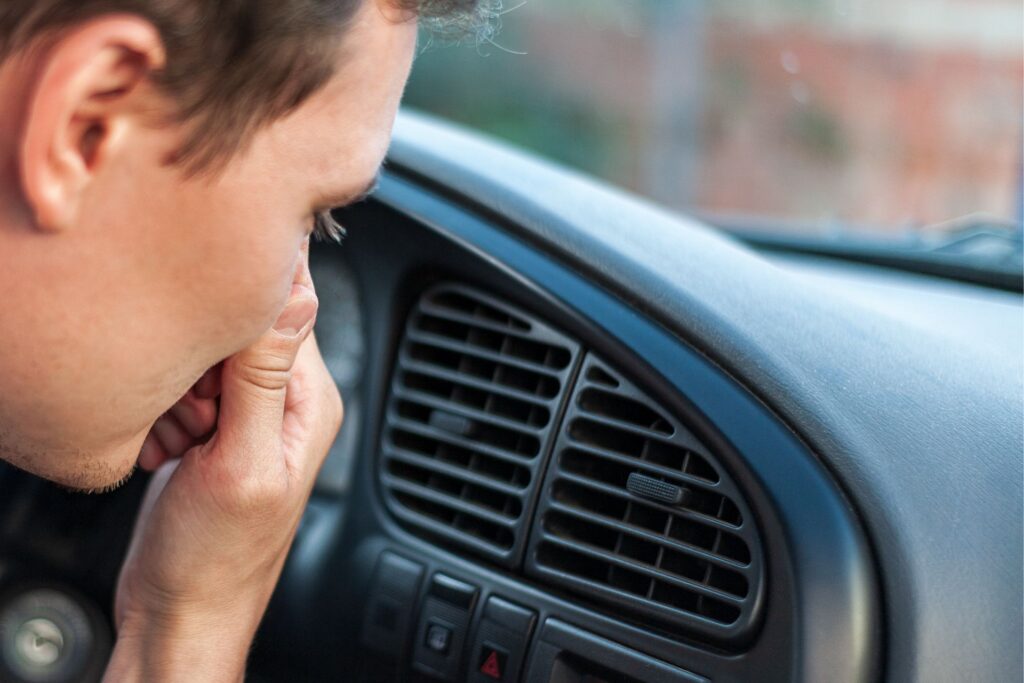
{"x": 340, "y": 135}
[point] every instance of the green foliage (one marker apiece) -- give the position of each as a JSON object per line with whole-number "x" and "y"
{"x": 818, "y": 132}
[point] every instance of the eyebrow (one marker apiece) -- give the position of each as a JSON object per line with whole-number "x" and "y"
{"x": 352, "y": 198}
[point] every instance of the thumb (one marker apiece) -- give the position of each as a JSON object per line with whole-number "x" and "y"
{"x": 254, "y": 381}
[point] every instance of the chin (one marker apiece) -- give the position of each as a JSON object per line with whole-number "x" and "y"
{"x": 77, "y": 471}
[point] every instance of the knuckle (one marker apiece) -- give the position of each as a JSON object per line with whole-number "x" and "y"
{"x": 199, "y": 412}
{"x": 269, "y": 379}
{"x": 271, "y": 371}
{"x": 207, "y": 414}
{"x": 332, "y": 408}
{"x": 258, "y": 496}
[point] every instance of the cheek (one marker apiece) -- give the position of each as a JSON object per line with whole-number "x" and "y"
{"x": 241, "y": 238}
{"x": 264, "y": 284}
{"x": 281, "y": 287}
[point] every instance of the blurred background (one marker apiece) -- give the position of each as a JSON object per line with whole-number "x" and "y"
{"x": 881, "y": 117}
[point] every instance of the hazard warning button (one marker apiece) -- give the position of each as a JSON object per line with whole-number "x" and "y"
{"x": 493, "y": 661}
{"x": 500, "y": 642}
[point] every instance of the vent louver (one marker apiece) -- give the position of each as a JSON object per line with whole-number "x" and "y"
{"x": 475, "y": 393}
{"x": 636, "y": 511}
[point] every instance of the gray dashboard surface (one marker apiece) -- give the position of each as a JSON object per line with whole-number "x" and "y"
{"x": 990, "y": 319}
{"x": 918, "y": 417}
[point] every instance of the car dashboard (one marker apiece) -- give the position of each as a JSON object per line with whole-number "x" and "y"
{"x": 586, "y": 440}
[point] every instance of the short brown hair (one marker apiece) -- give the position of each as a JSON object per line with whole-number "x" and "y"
{"x": 232, "y": 65}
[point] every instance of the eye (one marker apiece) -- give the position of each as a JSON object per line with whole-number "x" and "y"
{"x": 326, "y": 228}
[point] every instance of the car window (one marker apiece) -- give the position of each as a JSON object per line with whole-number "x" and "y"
{"x": 880, "y": 117}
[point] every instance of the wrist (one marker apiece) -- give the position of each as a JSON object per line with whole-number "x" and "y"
{"x": 194, "y": 647}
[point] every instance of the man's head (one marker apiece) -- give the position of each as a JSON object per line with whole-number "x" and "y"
{"x": 161, "y": 162}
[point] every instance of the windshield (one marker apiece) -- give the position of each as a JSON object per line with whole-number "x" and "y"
{"x": 894, "y": 119}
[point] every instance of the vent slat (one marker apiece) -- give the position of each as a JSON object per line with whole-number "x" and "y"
{"x": 474, "y": 392}
{"x": 626, "y": 495}
{"x": 465, "y": 411}
{"x": 677, "y": 476}
{"x": 449, "y": 298}
{"x": 659, "y": 601}
{"x": 475, "y": 321}
{"x": 471, "y": 381}
{"x": 447, "y": 437}
{"x": 479, "y": 352}
{"x": 637, "y": 447}
{"x": 622, "y": 527}
{"x": 626, "y": 426}
{"x": 455, "y": 421}
{"x": 478, "y": 511}
{"x": 497, "y": 404}
{"x": 694, "y": 563}
{"x": 648, "y": 571}
{"x": 510, "y": 344}
{"x": 478, "y": 542}
{"x": 454, "y": 471}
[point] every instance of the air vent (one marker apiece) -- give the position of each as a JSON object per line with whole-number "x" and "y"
{"x": 475, "y": 393}
{"x": 638, "y": 513}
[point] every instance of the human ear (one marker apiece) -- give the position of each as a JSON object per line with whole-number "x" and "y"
{"x": 84, "y": 99}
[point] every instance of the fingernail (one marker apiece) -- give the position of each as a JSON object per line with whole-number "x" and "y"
{"x": 296, "y": 315}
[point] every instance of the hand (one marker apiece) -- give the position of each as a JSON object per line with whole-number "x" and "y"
{"x": 216, "y": 523}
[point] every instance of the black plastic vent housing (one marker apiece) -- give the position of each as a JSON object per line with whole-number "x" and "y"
{"x": 636, "y": 512}
{"x": 471, "y": 415}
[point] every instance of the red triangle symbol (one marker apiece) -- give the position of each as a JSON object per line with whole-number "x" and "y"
{"x": 490, "y": 667}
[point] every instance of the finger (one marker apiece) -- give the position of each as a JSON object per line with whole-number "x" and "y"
{"x": 254, "y": 383}
{"x": 208, "y": 385}
{"x": 152, "y": 454}
{"x": 197, "y": 415}
{"x": 172, "y": 436}
{"x": 313, "y": 412}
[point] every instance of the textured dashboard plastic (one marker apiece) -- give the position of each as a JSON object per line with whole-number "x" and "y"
{"x": 922, "y": 425}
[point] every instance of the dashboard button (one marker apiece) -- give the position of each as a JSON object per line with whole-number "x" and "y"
{"x": 493, "y": 662}
{"x": 388, "y": 619}
{"x": 453, "y": 591}
{"x": 510, "y": 614}
{"x": 444, "y": 628}
{"x": 439, "y": 638}
{"x": 501, "y": 641}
